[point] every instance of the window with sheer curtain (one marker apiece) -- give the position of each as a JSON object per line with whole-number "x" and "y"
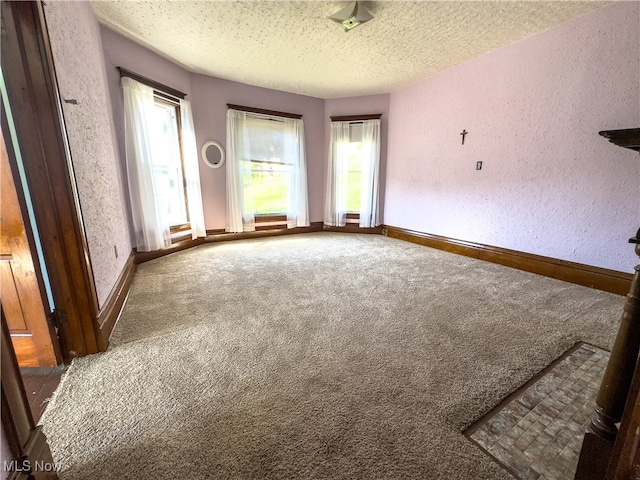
{"x": 162, "y": 167}
{"x": 352, "y": 179}
{"x": 266, "y": 170}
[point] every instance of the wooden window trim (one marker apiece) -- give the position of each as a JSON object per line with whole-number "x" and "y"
{"x": 263, "y": 111}
{"x": 271, "y": 218}
{"x": 163, "y": 89}
{"x": 260, "y": 228}
{"x": 356, "y": 118}
{"x": 160, "y": 98}
{"x": 181, "y": 238}
{"x": 270, "y": 221}
{"x": 180, "y": 228}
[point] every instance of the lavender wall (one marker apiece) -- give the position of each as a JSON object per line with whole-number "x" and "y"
{"x": 549, "y": 185}
{"x": 210, "y": 98}
{"x": 121, "y": 52}
{"x": 360, "y": 106}
{"x": 78, "y": 57}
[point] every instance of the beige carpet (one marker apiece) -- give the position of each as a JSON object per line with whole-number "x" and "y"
{"x": 332, "y": 356}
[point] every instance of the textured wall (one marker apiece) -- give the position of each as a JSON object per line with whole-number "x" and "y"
{"x": 368, "y": 104}
{"x": 550, "y": 185}
{"x": 78, "y": 57}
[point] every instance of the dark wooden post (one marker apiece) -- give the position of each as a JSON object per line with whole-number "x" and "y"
{"x": 625, "y": 458}
{"x": 601, "y": 433}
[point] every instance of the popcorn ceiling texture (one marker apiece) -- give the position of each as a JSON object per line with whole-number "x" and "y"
{"x": 550, "y": 185}
{"x": 77, "y": 51}
{"x": 292, "y": 46}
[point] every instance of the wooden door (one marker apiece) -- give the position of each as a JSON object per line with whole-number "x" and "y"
{"x": 19, "y": 287}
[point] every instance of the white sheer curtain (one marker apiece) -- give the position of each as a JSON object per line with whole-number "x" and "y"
{"x": 342, "y": 135}
{"x": 151, "y": 229}
{"x": 298, "y": 208}
{"x": 335, "y": 209}
{"x": 235, "y": 192}
{"x": 258, "y": 144}
{"x": 370, "y": 173}
{"x": 148, "y": 199}
{"x": 191, "y": 171}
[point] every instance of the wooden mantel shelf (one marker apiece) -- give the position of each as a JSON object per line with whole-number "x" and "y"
{"x": 627, "y": 138}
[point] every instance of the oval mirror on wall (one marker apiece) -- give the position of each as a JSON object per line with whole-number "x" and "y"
{"x": 213, "y": 154}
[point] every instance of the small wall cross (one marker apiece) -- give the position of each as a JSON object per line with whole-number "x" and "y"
{"x": 464, "y": 133}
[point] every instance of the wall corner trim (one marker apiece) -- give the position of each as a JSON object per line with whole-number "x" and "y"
{"x": 112, "y": 308}
{"x": 603, "y": 279}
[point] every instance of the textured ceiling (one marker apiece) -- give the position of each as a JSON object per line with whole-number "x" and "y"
{"x": 292, "y": 46}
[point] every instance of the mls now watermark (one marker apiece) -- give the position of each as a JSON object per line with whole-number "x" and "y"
{"x": 28, "y": 466}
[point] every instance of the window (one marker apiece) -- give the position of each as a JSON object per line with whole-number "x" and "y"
{"x": 353, "y": 154}
{"x": 168, "y": 167}
{"x": 162, "y": 165}
{"x": 266, "y": 174}
{"x": 267, "y": 167}
{"x": 352, "y": 180}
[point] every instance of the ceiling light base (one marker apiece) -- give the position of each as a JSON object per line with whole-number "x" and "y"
{"x": 351, "y": 16}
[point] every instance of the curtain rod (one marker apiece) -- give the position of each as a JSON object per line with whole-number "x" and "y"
{"x": 355, "y": 118}
{"x": 263, "y": 111}
{"x": 151, "y": 83}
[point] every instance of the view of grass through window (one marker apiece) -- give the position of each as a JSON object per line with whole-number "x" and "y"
{"x": 353, "y": 151}
{"x": 266, "y": 184}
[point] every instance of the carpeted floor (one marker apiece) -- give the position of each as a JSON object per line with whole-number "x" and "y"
{"x": 313, "y": 357}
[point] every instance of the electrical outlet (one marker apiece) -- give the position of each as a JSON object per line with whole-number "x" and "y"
{"x": 478, "y": 165}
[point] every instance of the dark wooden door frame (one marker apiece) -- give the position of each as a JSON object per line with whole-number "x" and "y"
{"x": 30, "y": 455}
{"x": 29, "y": 74}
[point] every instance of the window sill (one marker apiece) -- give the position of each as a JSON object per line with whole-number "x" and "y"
{"x": 270, "y": 221}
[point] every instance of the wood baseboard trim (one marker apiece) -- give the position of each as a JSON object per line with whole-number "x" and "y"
{"x": 222, "y": 236}
{"x": 353, "y": 228}
{"x": 108, "y": 315}
{"x": 110, "y": 312}
{"x": 595, "y": 277}
{"x": 142, "y": 257}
